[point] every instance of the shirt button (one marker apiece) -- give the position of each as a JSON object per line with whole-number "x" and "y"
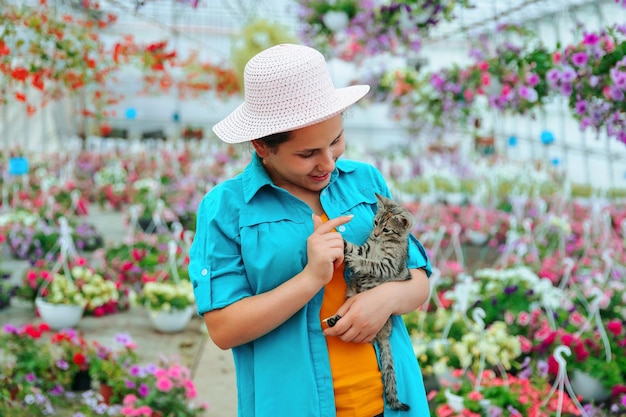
{"x": 342, "y": 228}
{"x": 204, "y": 272}
{"x": 324, "y": 193}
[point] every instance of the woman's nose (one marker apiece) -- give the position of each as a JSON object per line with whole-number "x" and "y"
{"x": 327, "y": 163}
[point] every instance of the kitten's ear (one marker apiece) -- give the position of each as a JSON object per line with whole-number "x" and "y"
{"x": 381, "y": 200}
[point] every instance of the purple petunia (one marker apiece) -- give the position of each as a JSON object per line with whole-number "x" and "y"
{"x": 580, "y": 59}
{"x": 568, "y": 75}
{"x": 528, "y": 93}
{"x": 123, "y": 339}
{"x": 143, "y": 390}
{"x": 553, "y": 76}
{"x": 616, "y": 93}
{"x": 581, "y": 106}
{"x": 532, "y": 79}
{"x": 619, "y": 78}
{"x": 135, "y": 370}
{"x": 566, "y": 89}
{"x": 10, "y": 329}
{"x": 591, "y": 38}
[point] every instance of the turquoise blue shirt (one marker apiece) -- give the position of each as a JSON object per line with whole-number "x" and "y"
{"x": 251, "y": 237}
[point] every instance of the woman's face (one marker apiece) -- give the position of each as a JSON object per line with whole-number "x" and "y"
{"x": 304, "y": 163}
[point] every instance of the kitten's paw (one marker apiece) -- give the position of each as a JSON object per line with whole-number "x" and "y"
{"x": 399, "y": 406}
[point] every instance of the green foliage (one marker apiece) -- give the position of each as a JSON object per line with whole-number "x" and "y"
{"x": 256, "y": 36}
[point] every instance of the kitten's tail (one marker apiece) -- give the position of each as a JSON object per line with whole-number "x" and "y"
{"x": 389, "y": 377}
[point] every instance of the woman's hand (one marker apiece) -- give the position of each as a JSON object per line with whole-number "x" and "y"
{"x": 325, "y": 248}
{"x": 362, "y": 316}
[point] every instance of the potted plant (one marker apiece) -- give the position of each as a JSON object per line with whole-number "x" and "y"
{"x": 60, "y": 301}
{"x": 595, "y": 370}
{"x": 71, "y": 354}
{"x": 24, "y": 363}
{"x": 168, "y": 295}
{"x": 170, "y": 304}
{"x": 161, "y": 391}
{"x": 498, "y": 396}
{"x": 109, "y": 367}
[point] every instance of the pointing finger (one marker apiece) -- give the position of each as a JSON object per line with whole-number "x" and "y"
{"x": 330, "y": 224}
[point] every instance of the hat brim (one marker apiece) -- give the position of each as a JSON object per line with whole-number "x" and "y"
{"x": 242, "y": 126}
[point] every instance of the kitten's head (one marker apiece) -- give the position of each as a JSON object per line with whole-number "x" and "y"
{"x": 392, "y": 220}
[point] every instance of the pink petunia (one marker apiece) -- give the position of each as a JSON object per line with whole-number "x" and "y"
{"x": 475, "y": 396}
{"x": 164, "y": 384}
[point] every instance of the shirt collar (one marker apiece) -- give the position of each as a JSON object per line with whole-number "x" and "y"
{"x": 255, "y": 176}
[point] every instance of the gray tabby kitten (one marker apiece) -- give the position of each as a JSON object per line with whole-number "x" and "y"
{"x": 381, "y": 258}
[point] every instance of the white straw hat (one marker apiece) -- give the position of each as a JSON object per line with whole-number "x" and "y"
{"x": 286, "y": 87}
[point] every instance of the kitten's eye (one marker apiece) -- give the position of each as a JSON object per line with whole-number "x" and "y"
{"x": 385, "y": 230}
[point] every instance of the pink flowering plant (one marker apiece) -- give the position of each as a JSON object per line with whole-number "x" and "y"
{"x": 512, "y": 396}
{"x": 360, "y": 29}
{"x": 591, "y": 74}
{"x": 166, "y": 388}
{"x": 590, "y": 354}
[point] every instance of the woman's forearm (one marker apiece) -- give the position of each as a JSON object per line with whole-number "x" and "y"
{"x": 255, "y": 316}
{"x": 408, "y": 295}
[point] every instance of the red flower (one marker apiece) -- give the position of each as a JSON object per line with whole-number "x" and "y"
{"x": 19, "y": 74}
{"x": 79, "y": 359}
{"x": 32, "y": 331}
{"x": 4, "y": 49}
{"x": 618, "y": 390}
{"x": 615, "y": 327}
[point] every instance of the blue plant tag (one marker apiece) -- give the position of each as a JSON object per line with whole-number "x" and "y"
{"x": 18, "y": 165}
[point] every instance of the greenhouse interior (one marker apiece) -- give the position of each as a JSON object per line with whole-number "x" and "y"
{"x": 499, "y": 125}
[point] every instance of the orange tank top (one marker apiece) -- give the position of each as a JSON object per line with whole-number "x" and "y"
{"x": 357, "y": 380}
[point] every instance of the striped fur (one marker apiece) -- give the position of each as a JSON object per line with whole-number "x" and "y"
{"x": 382, "y": 258}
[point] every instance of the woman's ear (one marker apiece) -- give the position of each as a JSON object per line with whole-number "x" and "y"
{"x": 260, "y": 148}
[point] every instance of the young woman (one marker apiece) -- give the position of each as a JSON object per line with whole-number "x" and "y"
{"x": 267, "y": 257}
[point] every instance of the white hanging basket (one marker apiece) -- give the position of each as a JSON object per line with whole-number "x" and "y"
{"x": 172, "y": 321}
{"x": 454, "y": 198}
{"x": 59, "y": 316}
{"x": 476, "y": 238}
{"x": 588, "y": 387}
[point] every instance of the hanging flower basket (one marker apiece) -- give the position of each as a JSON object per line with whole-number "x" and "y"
{"x": 476, "y": 237}
{"x": 172, "y": 321}
{"x": 588, "y": 387}
{"x": 59, "y": 316}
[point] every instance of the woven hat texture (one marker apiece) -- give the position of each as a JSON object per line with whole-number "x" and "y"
{"x": 286, "y": 87}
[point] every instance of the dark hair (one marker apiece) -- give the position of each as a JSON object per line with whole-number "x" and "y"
{"x": 275, "y": 139}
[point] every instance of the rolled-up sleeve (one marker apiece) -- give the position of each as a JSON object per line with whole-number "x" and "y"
{"x": 215, "y": 266}
{"x": 418, "y": 258}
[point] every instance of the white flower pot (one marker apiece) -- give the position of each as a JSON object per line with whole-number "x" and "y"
{"x": 171, "y": 321}
{"x": 454, "y": 401}
{"x": 454, "y": 199}
{"x": 429, "y": 199}
{"x": 476, "y": 237}
{"x": 588, "y": 387}
{"x": 59, "y": 316}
